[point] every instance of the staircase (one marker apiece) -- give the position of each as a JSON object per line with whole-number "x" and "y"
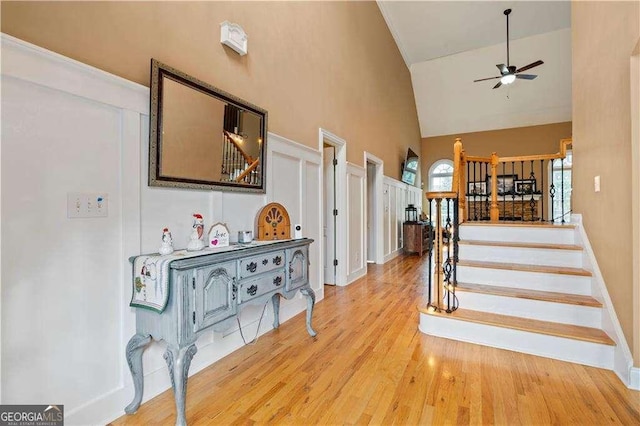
{"x": 522, "y": 287}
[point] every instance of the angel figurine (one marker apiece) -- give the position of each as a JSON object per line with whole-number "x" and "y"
{"x": 196, "y": 243}
{"x": 167, "y": 242}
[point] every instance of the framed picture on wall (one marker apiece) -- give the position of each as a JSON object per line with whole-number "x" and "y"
{"x": 525, "y": 186}
{"x": 505, "y": 183}
{"x": 477, "y": 188}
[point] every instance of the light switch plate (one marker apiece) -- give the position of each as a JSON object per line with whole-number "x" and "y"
{"x": 87, "y": 205}
{"x": 596, "y": 184}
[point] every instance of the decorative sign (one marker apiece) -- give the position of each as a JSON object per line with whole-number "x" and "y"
{"x": 219, "y": 235}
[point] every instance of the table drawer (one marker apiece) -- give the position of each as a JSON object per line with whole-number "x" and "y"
{"x": 255, "y": 265}
{"x": 256, "y": 287}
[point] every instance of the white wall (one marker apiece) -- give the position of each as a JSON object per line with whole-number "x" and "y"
{"x": 66, "y": 128}
{"x": 449, "y": 102}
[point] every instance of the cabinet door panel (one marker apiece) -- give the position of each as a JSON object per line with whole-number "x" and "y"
{"x": 298, "y": 268}
{"x": 215, "y": 297}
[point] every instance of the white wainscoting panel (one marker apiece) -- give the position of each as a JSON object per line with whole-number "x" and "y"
{"x": 395, "y": 200}
{"x": 294, "y": 180}
{"x": 356, "y": 211}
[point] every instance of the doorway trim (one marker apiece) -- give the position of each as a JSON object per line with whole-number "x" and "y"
{"x": 377, "y": 206}
{"x": 325, "y": 136}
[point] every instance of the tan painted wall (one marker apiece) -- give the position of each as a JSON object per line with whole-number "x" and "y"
{"x": 333, "y": 65}
{"x": 604, "y": 35}
{"x": 544, "y": 139}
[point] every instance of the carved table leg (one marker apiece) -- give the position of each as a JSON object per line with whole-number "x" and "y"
{"x": 311, "y": 300}
{"x": 178, "y": 361}
{"x": 135, "y": 347}
{"x": 275, "y": 299}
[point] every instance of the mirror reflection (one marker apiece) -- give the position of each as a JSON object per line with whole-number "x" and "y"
{"x": 202, "y": 137}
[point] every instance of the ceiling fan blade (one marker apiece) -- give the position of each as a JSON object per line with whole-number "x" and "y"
{"x": 531, "y": 65}
{"x": 485, "y": 79}
{"x": 503, "y": 68}
{"x": 526, "y": 76}
{"x": 497, "y": 85}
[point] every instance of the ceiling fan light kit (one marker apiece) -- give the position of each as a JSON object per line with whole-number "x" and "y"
{"x": 509, "y": 73}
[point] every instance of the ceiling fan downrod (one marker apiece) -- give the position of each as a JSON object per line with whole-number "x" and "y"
{"x": 507, "y": 12}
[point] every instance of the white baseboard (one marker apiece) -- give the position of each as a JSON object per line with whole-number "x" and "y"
{"x": 623, "y": 360}
{"x": 634, "y": 378}
{"x": 356, "y": 275}
{"x": 392, "y": 255}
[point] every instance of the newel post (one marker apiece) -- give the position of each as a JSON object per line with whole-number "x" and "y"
{"x": 459, "y": 179}
{"x": 494, "y": 213}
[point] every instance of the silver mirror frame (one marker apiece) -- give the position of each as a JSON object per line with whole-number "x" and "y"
{"x": 158, "y": 70}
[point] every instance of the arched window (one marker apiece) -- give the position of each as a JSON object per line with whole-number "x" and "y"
{"x": 440, "y": 180}
{"x": 561, "y": 174}
{"x": 441, "y": 176}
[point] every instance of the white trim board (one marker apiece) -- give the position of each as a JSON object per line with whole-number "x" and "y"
{"x": 356, "y": 221}
{"x": 37, "y": 65}
{"x": 377, "y": 205}
{"x": 623, "y": 360}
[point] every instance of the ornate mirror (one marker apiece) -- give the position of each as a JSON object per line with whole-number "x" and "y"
{"x": 201, "y": 137}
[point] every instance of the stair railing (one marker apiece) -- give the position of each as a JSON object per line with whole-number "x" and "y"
{"x": 443, "y": 251}
{"x": 510, "y": 188}
{"x": 237, "y": 165}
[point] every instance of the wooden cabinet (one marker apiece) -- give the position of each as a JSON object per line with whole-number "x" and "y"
{"x": 417, "y": 236}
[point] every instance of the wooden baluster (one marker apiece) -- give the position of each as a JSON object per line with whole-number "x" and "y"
{"x": 495, "y": 213}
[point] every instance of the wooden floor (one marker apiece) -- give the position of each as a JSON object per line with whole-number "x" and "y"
{"x": 369, "y": 364}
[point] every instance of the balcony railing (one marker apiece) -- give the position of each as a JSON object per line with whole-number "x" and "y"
{"x": 520, "y": 188}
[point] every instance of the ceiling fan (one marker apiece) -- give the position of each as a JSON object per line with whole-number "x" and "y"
{"x": 509, "y": 73}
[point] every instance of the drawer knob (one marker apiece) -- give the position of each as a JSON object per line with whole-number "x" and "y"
{"x": 251, "y": 291}
{"x": 277, "y": 260}
{"x": 252, "y": 267}
{"x": 265, "y": 261}
{"x": 277, "y": 280}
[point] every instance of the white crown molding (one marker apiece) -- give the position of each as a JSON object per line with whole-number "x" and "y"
{"x": 394, "y": 33}
{"x": 26, "y": 61}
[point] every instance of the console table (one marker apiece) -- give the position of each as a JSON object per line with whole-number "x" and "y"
{"x": 206, "y": 292}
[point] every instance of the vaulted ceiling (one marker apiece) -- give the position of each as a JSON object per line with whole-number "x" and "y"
{"x": 448, "y": 44}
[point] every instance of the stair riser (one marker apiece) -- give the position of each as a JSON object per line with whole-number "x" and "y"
{"x": 518, "y": 234}
{"x": 560, "y": 283}
{"x": 586, "y": 353}
{"x": 527, "y": 256}
{"x": 587, "y": 316}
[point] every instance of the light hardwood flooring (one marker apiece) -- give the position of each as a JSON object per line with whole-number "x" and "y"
{"x": 369, "y": 364}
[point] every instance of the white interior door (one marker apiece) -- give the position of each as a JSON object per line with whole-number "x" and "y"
{"x": 371, "y": 236}
{"x": 329, "y": 225}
